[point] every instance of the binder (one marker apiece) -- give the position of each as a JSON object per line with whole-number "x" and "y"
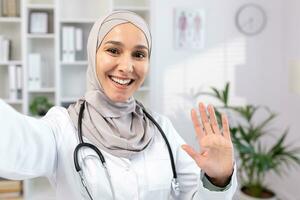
{"x": 12, "y": 71}
{"x": 34, "y": 71}
{"x": 4, "y": 11}
{"x": 6, "y": 49}
{"x": 71, "y": 43}
{"x": 19, "y": 84}
{"x": 65, "y": 44}
{"x": 79, "y": 38}
{"x": 1, "y": 49}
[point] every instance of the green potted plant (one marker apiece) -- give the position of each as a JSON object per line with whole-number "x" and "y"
{"x": 255, "y": 159}
{"x": 39, "y": 106}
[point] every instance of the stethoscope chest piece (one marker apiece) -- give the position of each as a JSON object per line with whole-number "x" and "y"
{"x": 175, "y": 187}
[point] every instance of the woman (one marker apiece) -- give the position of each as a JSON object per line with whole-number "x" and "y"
{"x": 137, "y": 160}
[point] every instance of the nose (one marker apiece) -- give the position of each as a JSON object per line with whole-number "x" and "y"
{"x": 126, "y": 64}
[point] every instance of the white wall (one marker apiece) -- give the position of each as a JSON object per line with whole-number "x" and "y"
{"x": 257, "y": 66}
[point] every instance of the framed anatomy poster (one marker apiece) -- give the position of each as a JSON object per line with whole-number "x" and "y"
{"x": 189, "y": 28}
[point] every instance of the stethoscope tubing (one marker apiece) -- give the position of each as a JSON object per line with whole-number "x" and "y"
{"x": 82, "y": 144}
{"x": 167, "y": 142}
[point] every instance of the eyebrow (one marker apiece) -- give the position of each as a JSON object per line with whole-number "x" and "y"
{"x": 139, "y": 46}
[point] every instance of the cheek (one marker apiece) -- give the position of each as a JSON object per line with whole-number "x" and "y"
{"x": 142, "y": 71}
{"x": 103, "y": 65}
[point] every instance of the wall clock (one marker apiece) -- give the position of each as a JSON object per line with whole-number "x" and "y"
{"x": 251, "y": 19}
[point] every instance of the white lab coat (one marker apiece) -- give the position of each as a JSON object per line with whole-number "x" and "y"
{"x": 32, "y": 147}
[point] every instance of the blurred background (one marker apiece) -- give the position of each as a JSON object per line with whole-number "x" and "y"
{"x": 197, "y": 44}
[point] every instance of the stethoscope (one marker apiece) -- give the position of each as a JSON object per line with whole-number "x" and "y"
{"x": 174, "y": 184}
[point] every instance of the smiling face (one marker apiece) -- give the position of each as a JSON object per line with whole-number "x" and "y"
{"x": 122, "y": 61}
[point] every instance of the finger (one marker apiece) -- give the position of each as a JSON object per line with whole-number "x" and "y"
{"x": 204, "y": 118}
{"x": 195, "y": 155}
{"x": 213, "y": 120}
{"x": 226, "y": 131}
{"x": 197, "y": 126}
{"x": 202, "y": 111}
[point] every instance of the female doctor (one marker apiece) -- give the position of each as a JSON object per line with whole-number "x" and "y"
{"x": 107, "y": 145}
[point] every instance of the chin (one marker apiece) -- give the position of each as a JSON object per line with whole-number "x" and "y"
{"x": 119, "y": 99}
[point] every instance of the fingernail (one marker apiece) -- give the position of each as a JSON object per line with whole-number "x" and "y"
{"x": 223, "y": 115}
{"x": 209, "y": 107}
{"x": 201, "y": 105}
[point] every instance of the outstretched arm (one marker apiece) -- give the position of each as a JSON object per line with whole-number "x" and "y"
{"x": 27, "y": 145}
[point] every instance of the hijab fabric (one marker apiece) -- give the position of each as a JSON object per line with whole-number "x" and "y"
{"x": 119, "y": 128}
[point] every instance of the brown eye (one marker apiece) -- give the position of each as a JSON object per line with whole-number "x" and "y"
{"x": 113, "y": 51}
{"x": 139, "y": 54}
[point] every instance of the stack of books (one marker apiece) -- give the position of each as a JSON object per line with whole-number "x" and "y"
{"x": 10, "y": 190}
{"x": 10, "y": 8}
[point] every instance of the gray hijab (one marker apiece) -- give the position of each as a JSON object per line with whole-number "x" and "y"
{"x": 119, "y": 128}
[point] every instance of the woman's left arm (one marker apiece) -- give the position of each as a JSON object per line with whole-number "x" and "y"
{"x": 210, "y": 173}
{"x": 216, "y": 155}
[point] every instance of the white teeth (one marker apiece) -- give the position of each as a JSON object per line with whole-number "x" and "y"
{"x": 121, "y": 81}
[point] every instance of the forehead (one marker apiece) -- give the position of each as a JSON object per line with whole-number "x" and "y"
{"x": 126, "y": 33}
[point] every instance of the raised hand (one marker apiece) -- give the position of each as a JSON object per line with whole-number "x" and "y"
{"x": 216, "y": 150}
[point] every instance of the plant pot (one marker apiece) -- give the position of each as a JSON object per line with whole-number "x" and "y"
{"x": 244, "y": 196}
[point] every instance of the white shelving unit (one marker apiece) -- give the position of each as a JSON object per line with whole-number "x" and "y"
{"x": 45, "y": 45}
{"x": 62, "y": 82}
{"x": 40, "y": 36}
{"x": 11, "y": 62}
{"x": 10, "y": 19}
{"x": 11, "y": 28}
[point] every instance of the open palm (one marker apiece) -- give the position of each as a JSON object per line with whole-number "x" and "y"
{"x": 216, "y": 150}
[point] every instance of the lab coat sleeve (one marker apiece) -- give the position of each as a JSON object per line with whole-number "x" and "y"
{"x": 189, "y": 174}
{"x": 27, "y": 145}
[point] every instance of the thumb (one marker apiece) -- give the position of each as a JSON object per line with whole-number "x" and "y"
{"x": 195, "y": 155}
